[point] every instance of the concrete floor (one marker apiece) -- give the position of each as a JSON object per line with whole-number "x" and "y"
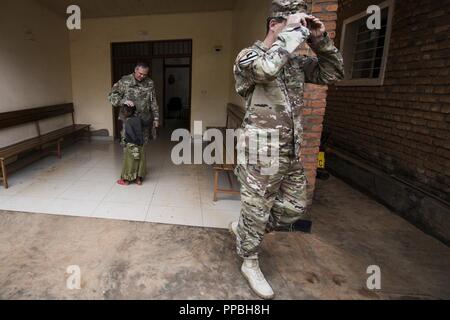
{"x": 139, "y": 260}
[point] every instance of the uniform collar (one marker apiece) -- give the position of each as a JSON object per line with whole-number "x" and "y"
{"x": 133, "y": 80}
{"x": 137, "y": 83}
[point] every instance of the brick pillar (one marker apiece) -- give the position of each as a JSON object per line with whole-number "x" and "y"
{"x": 316, "y": 96}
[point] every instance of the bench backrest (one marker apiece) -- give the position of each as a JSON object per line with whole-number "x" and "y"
{"x": 15, "y": 118}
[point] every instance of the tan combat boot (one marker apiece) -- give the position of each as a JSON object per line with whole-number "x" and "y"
{"x": 233, "y": 228}
{"x": 251, "y": 271}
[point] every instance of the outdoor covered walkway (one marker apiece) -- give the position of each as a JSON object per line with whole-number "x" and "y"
{"x": 167, "y": 239}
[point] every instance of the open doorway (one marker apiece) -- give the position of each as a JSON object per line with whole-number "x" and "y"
{"x": 177, "y": 92}
{"x": 170, "y": 69}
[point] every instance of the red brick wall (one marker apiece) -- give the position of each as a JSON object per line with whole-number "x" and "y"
{"x": 402, "y": 127}
{"x": 315, "y": 96}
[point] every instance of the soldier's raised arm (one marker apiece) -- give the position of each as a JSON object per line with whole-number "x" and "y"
{"x": 116, "y": 97}
{"x": 328, "y": 66}
{"x": 265, "y": 67}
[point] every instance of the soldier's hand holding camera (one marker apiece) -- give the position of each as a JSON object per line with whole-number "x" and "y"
{"x": 316, "y": 27}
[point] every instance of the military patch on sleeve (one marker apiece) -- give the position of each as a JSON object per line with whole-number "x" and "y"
{"x": 248, "y": 58}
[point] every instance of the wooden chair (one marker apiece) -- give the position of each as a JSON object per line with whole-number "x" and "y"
{"x": 235, "y": 117}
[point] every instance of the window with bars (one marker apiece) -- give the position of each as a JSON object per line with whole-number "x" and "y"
{"x": 125, "y": 55}
{"x": 152, "y": 48}
{"x": 365, "y": 51}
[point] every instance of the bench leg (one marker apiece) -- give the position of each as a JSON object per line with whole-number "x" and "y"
{"x": 229, "y": 179}
{"x": 216, "y": 184}
{"x": 5, "y": 176}
{"x": 58, "y": 150}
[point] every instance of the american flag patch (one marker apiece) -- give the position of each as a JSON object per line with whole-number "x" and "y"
{"x": 248, "y": 58}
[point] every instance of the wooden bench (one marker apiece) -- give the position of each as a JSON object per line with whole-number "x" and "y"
{"x": 40, "y": 143}
{"x": 235, "y": 117}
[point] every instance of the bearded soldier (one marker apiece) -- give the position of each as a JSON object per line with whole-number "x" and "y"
{"x": 137, "y": 90}
{"x": 271, "y": 77}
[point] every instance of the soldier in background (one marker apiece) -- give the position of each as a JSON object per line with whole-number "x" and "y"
{"x": 137, "y": 90}
{"x": 271, "y": 77}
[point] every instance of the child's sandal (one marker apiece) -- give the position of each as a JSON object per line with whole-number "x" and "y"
{"x": 123, "y": 182}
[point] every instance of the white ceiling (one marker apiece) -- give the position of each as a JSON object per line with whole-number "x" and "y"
{"x": 115, "y": 8}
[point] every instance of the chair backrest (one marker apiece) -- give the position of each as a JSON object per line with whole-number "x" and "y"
{"x": 15, "y": 118}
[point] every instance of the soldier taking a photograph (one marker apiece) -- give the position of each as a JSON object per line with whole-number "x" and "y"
{"x": 271, "y": 77}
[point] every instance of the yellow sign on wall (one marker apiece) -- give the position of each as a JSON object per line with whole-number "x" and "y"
{"x": 321, "y": 160}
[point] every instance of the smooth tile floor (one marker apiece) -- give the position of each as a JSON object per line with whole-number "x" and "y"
{"x": 83, "y": 184}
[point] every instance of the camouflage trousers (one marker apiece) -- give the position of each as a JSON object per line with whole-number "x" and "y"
{"x": 269, "y": 202}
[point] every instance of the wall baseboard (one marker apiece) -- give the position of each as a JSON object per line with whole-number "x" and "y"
{"x": 98, "y": 138}
{"x": 425, "y": 211}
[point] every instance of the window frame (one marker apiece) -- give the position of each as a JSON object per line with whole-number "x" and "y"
{"x": 367, "y": 81}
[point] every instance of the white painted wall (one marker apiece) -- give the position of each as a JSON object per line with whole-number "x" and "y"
{"x": 34, "y": 64}
{"x": 211, "y": 71}
{"x": 52, "y": 65}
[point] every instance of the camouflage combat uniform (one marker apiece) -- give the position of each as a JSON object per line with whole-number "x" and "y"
{"x": 142, "y": 94}
{"x": 272, "y": 82}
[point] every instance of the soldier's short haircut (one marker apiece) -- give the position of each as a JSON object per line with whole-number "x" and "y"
{"x": 277, "y": 19}
{"x": 143, "y": 65}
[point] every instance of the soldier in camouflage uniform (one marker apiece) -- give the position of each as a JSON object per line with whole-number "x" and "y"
{"x": 271, "y": 77}
{"x": 137, "y": 90}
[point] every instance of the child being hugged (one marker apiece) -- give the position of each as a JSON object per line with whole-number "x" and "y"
{"x": 134, "y": 162}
